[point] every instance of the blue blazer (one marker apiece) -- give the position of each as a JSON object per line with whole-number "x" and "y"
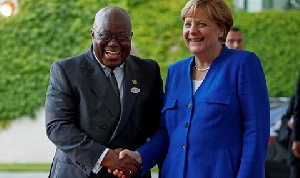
{"x": 220, "y": 132}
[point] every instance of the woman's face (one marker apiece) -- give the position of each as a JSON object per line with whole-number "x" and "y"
{"x": 200, "y": 33}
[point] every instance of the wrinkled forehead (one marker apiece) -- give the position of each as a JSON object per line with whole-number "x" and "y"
{"x": 112, "y": 17}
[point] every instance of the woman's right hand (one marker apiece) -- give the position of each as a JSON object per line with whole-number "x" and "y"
{"x": 133, "y": 154}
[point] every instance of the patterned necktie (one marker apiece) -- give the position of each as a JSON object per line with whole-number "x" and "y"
{"x": 114, "y": 84}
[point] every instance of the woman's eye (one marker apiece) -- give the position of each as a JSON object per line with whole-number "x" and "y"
{"x": 187, "y": 25}
{"x": 201, "y": 24}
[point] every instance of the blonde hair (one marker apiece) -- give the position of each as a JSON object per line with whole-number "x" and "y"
{"x": 217, "y": 10}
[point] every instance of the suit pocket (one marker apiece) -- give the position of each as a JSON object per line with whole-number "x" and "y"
{"x": 169, "y": 113}
{"x": 217, "y": 98}
{"x": 217, "y": 104}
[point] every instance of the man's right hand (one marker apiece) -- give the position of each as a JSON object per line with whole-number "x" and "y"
{"x": 123, "y": 154}
{"x": 127, "y": 165}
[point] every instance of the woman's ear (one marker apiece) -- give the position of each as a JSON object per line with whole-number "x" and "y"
{"x": 222, "y": 32}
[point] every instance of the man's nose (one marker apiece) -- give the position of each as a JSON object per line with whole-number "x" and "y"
{"x": 113, "y": 40}
{"x": 235, "y": 45}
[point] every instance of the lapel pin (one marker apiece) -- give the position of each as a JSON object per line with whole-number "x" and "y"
{"x": 134, "y": 81}
{"x": 135, "y": 90}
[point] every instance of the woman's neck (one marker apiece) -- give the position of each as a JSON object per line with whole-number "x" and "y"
{"x": 204, "y": 60}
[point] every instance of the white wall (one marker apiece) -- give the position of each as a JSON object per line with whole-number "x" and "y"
{"x": 25, "y": 141}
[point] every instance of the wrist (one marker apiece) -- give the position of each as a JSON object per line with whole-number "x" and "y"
{"x": 139, "y": 157}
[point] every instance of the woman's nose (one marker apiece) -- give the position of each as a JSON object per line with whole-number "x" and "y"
{"x": 194, "y": 28}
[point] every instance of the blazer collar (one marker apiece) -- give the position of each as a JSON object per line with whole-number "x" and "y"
{"x": 99, "y": 83}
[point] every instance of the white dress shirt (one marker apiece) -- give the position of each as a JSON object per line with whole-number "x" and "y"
{"x": 119, "y": 73}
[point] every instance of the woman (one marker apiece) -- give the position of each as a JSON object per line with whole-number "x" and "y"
{"x": 215, "y": 119}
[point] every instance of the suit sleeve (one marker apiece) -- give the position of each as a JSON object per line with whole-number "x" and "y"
{"x": 61, "y": 119}
{"x": 296, "y": 125}
{"x": 288, "y": 114}
{"x": 155, "y": 104}
{"x": 255, "y": 107}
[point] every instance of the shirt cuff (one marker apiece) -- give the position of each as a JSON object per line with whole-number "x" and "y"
{"x": 98, "y": 166}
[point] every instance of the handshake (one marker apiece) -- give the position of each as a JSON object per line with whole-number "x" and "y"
{"x": 122, "y": 163}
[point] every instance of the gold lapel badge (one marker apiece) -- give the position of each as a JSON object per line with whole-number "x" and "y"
{"x": 134, "y": 81}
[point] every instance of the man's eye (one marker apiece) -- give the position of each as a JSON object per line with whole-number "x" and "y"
{"x": 122, "y": 37}
{"x": 104, "y": 36}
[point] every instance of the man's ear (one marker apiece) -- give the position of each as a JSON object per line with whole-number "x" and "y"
{"x": 92, "y": 34}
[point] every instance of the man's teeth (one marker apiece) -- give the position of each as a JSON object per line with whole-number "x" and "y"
{"x": 111, "y": 52}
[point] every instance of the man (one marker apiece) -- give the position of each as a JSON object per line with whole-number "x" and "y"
{"x": 278, "y": 151}
{"x": 234, "y": 39}
{"x": 102, "y": 100}
{"x": 295, "y": 156}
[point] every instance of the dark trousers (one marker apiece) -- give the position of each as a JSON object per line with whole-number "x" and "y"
{"x": 274, "y": 169}
{"x": 276, "y": 165}
{"x": 295, "y": 170}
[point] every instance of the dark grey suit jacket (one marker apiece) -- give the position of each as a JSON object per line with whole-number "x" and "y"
{"x": 81, "y": 112}
{"x": 295, "y": 136}
{"x": 296, "y": 124}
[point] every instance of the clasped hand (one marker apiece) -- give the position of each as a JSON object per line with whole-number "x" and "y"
{"x": 132, "y": 163}
{"x": 296, "y": 148}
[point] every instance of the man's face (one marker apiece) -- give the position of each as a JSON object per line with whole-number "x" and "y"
{"x": 112, "y": 38}
{"x": 234, "y": 40}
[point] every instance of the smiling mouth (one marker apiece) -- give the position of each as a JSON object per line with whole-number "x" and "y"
{"x": 112, "y": 53}
{"x": 196, "y": 39}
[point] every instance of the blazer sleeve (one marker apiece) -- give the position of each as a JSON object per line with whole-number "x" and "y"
{"x": 255, "y": 107}
{"x": 154, "y": 151}
{"x": 61, "y": 119}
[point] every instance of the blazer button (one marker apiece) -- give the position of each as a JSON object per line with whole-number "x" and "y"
{"x": 186, "y": 125}
{"x": 184, "y": 146}
{"x": 102, "y": 127}
{"x": 190, "y": 105}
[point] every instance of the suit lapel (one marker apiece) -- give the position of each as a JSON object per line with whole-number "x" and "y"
{"x": 99, "y": 83}
{"x": 132, "y": 82}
